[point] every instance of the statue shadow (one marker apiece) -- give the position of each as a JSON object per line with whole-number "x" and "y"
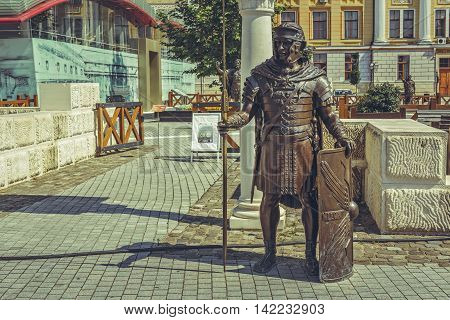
{"x": 187, "y": 159}
{"x": 239, "y": 261}
{"x": 73, "y": 205}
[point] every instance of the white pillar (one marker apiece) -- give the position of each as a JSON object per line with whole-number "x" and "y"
{"x": 425, "y": 22}
{"x": 380, "y": 22}
{"x": 256, "y": 48}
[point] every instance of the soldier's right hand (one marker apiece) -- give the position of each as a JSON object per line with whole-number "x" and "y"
{"x": 223, "y": 127}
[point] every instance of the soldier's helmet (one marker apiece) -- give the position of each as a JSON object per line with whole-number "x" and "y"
{"x": 289, "y": 30}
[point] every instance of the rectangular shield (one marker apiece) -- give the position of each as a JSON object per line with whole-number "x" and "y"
{"x": 334, "y": 183}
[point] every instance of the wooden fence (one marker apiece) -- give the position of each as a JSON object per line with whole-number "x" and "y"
{"x": 20, "y": 102}
{"x": 119, "y": 126}
{"x": 349, "y": 111}
{"x": 176, "y": 99}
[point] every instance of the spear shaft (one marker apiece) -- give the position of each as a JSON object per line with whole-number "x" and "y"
{"x": 224, "y": 145}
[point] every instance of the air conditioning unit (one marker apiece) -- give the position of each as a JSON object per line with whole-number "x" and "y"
{"x": 441, "y": 40}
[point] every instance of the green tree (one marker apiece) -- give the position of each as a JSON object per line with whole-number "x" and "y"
{"x": 355, "y": 74}
{"x": 198, "y": 37}
{"x": 383, "y": 97}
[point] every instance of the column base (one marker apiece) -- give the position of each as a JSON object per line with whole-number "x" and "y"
{"x": 246, "y": 217}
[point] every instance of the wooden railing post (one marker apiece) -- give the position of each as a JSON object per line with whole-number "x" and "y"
{"x": 353, "y": 112}
{"x": 433, "y": 104}
{"x": 99, "y": 129}
{"x": 170, "y": 99}
{"x": 342, "y": 107}
{"x": 122, "y": 125}
{"x": 403, "y": 113}
{"x": 35, "y": 101}
{"x": 141, "y": 123}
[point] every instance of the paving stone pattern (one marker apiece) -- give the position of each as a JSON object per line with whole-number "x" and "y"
{"x": 141, "y": 198}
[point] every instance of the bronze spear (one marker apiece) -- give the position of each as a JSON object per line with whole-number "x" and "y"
{"x": 224, "y": 145}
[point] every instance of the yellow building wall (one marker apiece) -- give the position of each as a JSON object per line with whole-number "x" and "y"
{"x": 335, "y": 10}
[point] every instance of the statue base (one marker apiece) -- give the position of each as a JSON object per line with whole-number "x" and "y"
{"x": 246, "y": 217}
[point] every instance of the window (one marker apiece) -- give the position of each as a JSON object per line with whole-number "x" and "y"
{"x": 350, "y": 59}
{"x": 439, "y": 23}
{"x": 401, "y": 24}
{"x": 289, "y": 16}
{"x": 444, "y": 63}
{"x": 320, "y": 61}
{"x": 351, "y": 24}
{"x": 320, "y": 25}
{"x": 394, "y": 24}
{"x": 403, "y": 67}
{"x": 120, "y": 30}
{"x": 408, "y": 23}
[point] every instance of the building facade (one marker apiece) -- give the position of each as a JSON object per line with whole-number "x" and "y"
{"x": 390, "y": 38}
{"x": 174, "y": 73}
{"x": 108, "y": 42}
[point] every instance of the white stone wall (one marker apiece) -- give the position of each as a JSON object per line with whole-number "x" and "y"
{"x": 405, "y": 187}
{"x": 422, "y": 68}
{"x": 32, "y": 144}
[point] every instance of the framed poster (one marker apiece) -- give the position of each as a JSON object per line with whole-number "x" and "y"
{"x": 205, "y": 135}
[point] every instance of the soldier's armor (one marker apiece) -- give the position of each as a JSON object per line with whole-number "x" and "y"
{"x": 297, "y": 117}
{"x": 287, "y": 107}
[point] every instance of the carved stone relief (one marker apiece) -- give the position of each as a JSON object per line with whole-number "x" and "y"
{"x": 418, "y": 210}
{"x": 415, "y": 157}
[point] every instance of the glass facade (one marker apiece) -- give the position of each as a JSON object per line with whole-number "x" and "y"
{"x": 82, "y": 22}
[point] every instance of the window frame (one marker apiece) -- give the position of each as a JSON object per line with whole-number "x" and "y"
{"x": 346, "y": 37}
{"x": 405, "y": 67}
{"x": 446, "y": 23}
{"x": 402, "y": 23}
{"x": 289, "y": 11}
{"x": 413, "y": 22}
{"x": 327, "y": 33}
{"x": 347, "y": 72}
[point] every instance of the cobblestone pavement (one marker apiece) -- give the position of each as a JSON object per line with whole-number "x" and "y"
{"x": 123, "y": 203}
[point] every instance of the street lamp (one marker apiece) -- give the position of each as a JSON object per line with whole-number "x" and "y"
{"x": 372, "y": 67}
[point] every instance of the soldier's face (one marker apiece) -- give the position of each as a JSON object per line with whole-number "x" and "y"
{"x": 282, "y": 49}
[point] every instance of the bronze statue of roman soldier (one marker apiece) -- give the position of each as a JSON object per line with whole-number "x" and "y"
{"x": 290, "y": 99}
{"x": 233, "y": 78}
{"x": 410, "y": 89}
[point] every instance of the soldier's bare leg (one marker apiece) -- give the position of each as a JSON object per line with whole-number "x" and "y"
{"x": 311, "y": 225}
{"x": 269, "y": 217}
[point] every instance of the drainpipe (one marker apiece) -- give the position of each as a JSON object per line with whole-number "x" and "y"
{"x": 435, "y": 75}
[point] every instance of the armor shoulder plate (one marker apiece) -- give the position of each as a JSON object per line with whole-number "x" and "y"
{"x": 323, "y": 89}
{"x": 251, "y": 88}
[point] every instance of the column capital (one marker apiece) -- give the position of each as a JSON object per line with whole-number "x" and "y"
{"x": 260, "y": 6}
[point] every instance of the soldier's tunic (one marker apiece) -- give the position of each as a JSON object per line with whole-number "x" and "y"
{"x": 287, "y": 131}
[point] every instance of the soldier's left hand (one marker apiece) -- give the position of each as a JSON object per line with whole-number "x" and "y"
{"x": 349, "y": 146}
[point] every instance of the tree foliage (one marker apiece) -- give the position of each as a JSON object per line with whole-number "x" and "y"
{"x": 355, "y": 74}
{"x": 383, "y": 97}
{"x": 198, "y": 39}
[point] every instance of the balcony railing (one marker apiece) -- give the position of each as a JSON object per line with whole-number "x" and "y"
{"x": 39, "y": 34}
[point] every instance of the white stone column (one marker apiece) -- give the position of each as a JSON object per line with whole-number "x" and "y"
{"x": 425, "y": 22}
{"x": 256, "y": 48}
{"x": 380, "y": 22}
